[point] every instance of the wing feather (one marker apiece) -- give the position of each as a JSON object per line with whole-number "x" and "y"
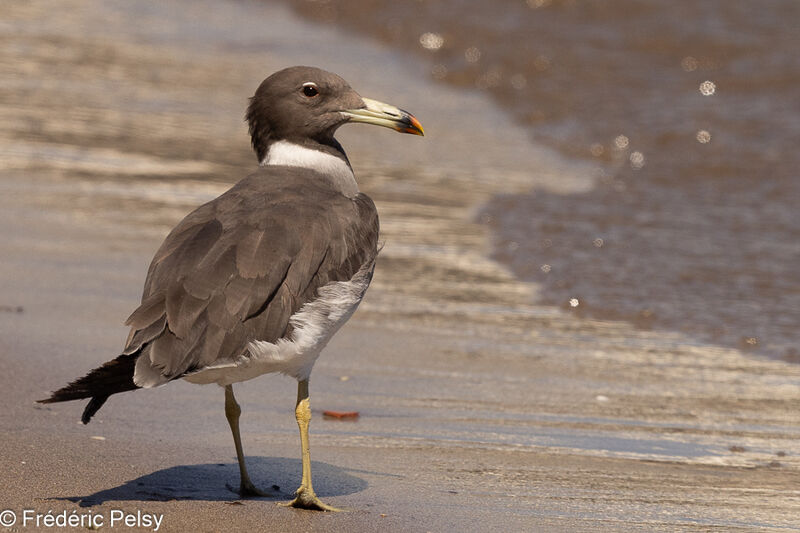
{"x": 236, "y": 269}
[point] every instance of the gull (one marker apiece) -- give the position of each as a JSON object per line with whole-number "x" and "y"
{"x": 258, "y": 280}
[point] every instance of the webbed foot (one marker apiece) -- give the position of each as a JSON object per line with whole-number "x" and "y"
{"x": 306, "y": 499}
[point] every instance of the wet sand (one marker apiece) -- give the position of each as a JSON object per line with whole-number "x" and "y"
{"x": 479, "y": 409}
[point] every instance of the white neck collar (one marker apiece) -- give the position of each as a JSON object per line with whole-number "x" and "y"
{"x": 289, "y": 154}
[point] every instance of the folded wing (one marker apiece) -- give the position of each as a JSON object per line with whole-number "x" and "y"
{"x": 237, "y": 268}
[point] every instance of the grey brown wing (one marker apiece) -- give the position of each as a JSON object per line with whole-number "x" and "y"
{"x": 215, "y": 285}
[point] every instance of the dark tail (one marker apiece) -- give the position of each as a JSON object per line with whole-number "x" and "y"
{"x": 113, "y": 377}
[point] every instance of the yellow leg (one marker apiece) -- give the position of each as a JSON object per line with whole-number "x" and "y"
{"x": 232, "y": 412}
{"x": 305, "y": 497}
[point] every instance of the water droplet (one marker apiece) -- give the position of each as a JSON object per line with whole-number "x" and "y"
{"x": 703, "y": 137}
{"x": 621, "y": 142}
{"x": 546, "y": 268}
{"x": 689, "y": 64}
{"x": 573, "y": 302}
{"x": 598, "y": 242}
{"x": 597, "y": 149}
{"x": 489, "y": 79}
{"x": 431, "y": 41}
{"x": 707, "y": 88}
{"x": 518, "y": 81}
{"x": 541, "y": 63}
{"x": 637, "y": 160}
{"x": 439, "y": 71}
{"x": 472, "y": 54}
{"x": 536, "y": 4}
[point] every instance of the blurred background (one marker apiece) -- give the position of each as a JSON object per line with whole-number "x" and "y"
{"x": 686, "y": 113}
{"x": 589, "y": 289}
{"x": 690, "y": 111}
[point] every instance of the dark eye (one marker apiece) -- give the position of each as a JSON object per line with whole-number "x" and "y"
{"x": 310, "y": 90}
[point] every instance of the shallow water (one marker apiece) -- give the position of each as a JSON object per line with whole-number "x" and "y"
{"x": 689, "y": 110}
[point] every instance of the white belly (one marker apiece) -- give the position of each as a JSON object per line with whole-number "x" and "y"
{"x": 313, "y": 326}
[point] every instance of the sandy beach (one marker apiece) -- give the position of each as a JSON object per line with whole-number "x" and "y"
{"x": 480, "y": 410}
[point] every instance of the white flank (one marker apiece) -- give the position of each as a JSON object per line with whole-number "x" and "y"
{"x": 290, "y": 154}
{"x": 313, "y": 326}
{"x": 145, "y": 375}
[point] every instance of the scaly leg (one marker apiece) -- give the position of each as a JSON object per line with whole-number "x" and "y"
{"x": 232, "y": 412}
{"x": 305, "y": 497}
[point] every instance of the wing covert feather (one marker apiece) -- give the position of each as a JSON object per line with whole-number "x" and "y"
{"x": 238, "y": 267}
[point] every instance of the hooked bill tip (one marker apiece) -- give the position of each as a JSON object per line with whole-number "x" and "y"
{"x": 415, "y": 128}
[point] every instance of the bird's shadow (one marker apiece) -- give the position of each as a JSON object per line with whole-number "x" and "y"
{"x": 213, "y": 482}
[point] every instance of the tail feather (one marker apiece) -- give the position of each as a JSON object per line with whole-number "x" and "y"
{"x": 112, "y": 377}
{"x": 92, "y": 407}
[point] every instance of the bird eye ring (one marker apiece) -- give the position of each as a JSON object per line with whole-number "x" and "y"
{"x": 310, "y": 89}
